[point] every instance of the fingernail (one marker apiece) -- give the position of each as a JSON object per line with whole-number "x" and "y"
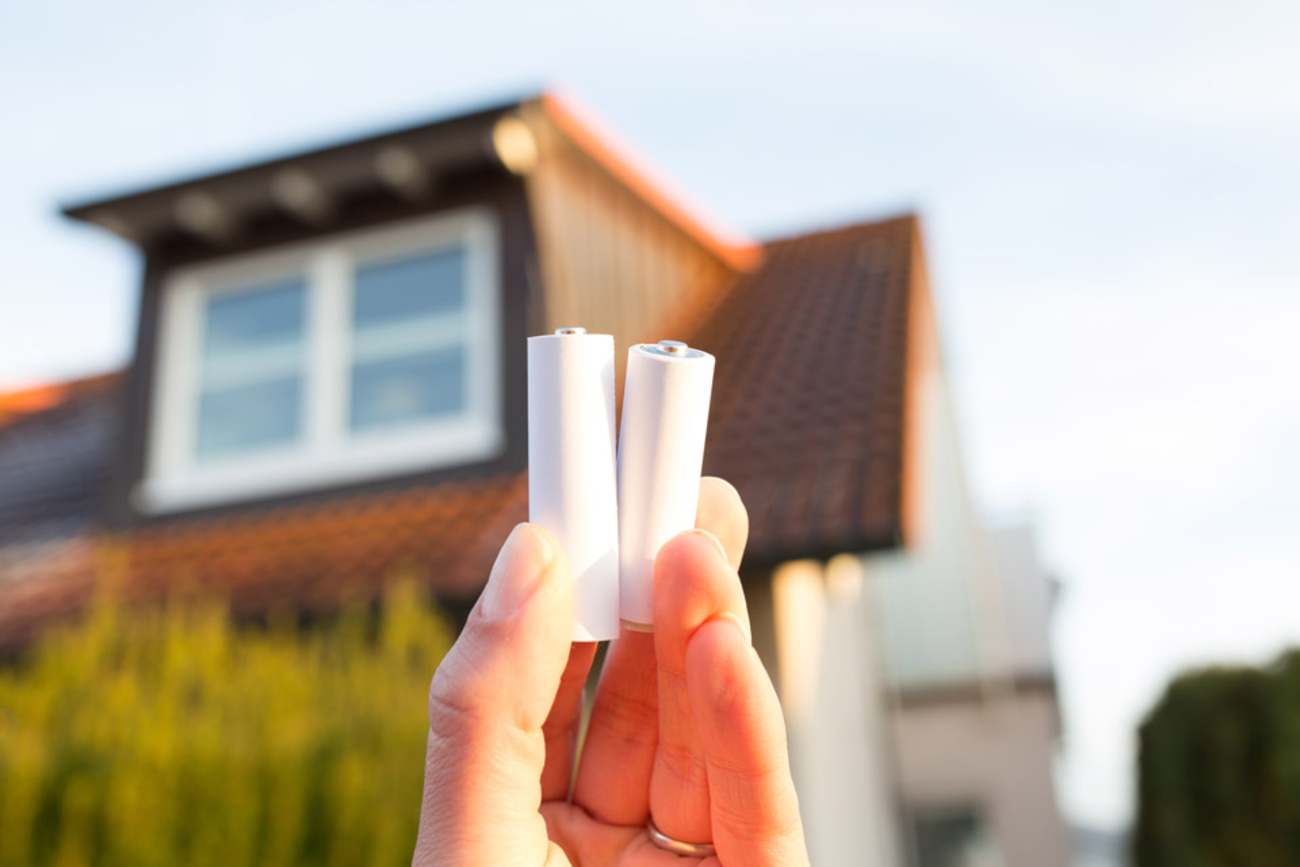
{"x": 523, "y": 560}
{"x": 717, "y": 546}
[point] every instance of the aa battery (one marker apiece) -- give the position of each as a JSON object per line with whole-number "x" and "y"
{"x": 660, "y": 457}
{"x": 572, "y": 485}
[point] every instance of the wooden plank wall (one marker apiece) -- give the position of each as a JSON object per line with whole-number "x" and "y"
{"x": 609, "y": 261}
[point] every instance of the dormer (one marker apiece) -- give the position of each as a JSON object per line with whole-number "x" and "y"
{"x": 354, "y": 316}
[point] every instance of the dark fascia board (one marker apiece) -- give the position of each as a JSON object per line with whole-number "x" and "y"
{"x": 445, "y": 144}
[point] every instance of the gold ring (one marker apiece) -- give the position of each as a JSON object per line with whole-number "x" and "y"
{"x": 677, "y": 847}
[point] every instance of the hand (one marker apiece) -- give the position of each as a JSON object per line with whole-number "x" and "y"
{"x": 685, "y": 724}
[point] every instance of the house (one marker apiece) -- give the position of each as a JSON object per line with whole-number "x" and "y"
{"x": 328, "y": 386}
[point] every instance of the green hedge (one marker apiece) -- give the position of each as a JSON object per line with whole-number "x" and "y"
{"x": 172, "y": 737}
{"x": 1219, "y": 770}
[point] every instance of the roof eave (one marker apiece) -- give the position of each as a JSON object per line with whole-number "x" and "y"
{"x": 306, "y": 184}
{"x": 408, "y": 161}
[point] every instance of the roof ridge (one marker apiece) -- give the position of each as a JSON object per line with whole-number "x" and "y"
{"x": 905, "y": 217}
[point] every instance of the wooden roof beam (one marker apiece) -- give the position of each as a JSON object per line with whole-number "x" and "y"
{"x": 201, "y": 214}
{"x": 300, "y": 194}
{"x": 401, "y": 170}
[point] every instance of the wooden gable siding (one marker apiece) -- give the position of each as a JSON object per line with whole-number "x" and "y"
{"x": 610, "y": 260}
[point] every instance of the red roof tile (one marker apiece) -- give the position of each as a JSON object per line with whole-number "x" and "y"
{"x": 310, "y": 557}
{"x": 808, "y": 398}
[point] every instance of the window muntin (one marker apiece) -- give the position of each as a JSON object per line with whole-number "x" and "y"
{"x": 367, "y": 354}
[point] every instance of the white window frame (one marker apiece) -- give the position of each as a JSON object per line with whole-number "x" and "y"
{"x": 327, "y": 452}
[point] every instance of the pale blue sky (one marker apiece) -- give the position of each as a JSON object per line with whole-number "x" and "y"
{"x": 1111, "y": 194}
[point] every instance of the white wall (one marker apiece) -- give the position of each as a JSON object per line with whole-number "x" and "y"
{"x": 963, "y": 616}
{"x": 1028, "y": 594}
{"x": 994, "y": 754}
{"x": 942, "y": 619}
{"x": 834, "y": 700}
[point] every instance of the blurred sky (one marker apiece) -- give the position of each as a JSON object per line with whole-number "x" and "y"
{"x": 1110, "y": 192}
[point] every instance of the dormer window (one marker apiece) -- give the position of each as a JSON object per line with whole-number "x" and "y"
{"x": 368, "y": 354}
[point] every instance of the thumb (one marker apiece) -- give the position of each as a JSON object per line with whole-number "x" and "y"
{"x": 489, "y": 699}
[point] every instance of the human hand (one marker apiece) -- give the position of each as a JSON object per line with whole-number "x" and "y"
{"x": 685, "y": 724}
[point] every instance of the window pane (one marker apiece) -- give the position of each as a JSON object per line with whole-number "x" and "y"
{"x": 255, "y": 318}
{"x": 233, "y": 420}
{"x": 952, "y": 838}
{"x": 408, "y": 340}
{"x": 415, "y": 387}
{"x": 418, "y": 286}
{"x": 252, "y": 374}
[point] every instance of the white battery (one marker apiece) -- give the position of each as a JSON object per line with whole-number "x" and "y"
{"x": 572, "y": 483}
{"x": 660, "y": 457}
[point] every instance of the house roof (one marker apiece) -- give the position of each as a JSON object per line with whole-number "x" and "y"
{"x": 807, "y": 421}
{"x": 55, "y": 444}
{"x": 409, "y": 161}
{"x": 807, "y": 417}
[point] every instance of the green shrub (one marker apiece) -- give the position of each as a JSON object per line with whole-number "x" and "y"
{"x": 1219, "y": 770}
{"x": 171, "y": 737}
